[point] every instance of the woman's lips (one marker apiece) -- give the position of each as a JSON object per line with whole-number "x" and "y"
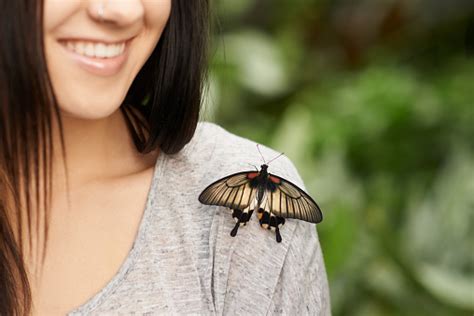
{"x": 99, "y": 66}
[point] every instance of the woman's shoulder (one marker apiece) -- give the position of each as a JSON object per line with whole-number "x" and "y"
{"x": 247, "y": 269}
{"x": 224, "y": 153}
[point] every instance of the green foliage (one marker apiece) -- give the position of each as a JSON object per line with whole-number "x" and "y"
{"x": 380, "y": 130}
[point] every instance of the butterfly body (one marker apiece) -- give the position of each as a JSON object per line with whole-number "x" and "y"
{"x": 272, "y": 197}
{"x": 261, "y": 182}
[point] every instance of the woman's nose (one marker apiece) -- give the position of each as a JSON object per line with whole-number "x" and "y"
{"x": 118, "y": 12}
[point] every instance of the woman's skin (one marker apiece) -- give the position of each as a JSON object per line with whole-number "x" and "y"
{"x": 109, "y": 181}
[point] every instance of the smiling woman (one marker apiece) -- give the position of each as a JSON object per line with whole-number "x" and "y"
{"x": 102, "y": 160}
{"x": 76, "y": 40}
{"x": 60, "y": 93}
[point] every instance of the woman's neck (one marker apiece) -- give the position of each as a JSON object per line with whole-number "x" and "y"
{"x": 98, "y": 150}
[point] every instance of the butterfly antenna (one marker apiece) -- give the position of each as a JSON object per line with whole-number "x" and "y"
{"x": 275, "y": 158}
{"x": 258, "y": 148}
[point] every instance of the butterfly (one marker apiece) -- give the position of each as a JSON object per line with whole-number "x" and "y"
{"x": 274, "y": 199}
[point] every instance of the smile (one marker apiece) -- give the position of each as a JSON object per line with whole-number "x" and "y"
{"x": 97, "y": 58}
{"x": 100, "y": 50}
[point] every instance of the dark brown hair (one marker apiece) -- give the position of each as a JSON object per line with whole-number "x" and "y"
{"x": 161, "y": 109}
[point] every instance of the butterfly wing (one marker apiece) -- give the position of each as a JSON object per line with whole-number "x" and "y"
{"x": 286, "y": 199}
{"x": 233, "y": 191}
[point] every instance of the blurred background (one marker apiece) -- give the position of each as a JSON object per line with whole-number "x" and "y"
{"x": 373, "y": 102}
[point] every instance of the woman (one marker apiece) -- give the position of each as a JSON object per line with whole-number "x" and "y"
{"x": 101, "y": 164}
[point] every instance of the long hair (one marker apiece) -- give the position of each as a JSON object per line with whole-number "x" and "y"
{"x": 161, "y": 110}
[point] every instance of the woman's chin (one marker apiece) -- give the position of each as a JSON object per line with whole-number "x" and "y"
{"x": 88, "y": 112}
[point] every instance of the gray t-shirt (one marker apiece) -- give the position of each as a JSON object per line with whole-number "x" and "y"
{"x": 184, "y": 261}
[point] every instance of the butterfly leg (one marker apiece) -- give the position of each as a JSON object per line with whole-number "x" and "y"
{"x": 269, "y": 221}
{"x": 242, "y": 217}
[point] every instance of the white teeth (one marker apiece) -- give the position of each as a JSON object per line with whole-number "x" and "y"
{"x": 89, "y": 50}
{"x": 79, "y": 48}
{"x": 99, "y": 50}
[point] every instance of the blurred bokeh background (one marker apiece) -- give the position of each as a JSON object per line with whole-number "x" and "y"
{"x": 373, "y": 102}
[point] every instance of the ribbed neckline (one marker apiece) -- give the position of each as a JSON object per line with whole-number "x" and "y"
{"x": 134, "y": 252}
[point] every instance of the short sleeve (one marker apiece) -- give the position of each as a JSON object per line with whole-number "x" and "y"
{"x": 302, "y": 287}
